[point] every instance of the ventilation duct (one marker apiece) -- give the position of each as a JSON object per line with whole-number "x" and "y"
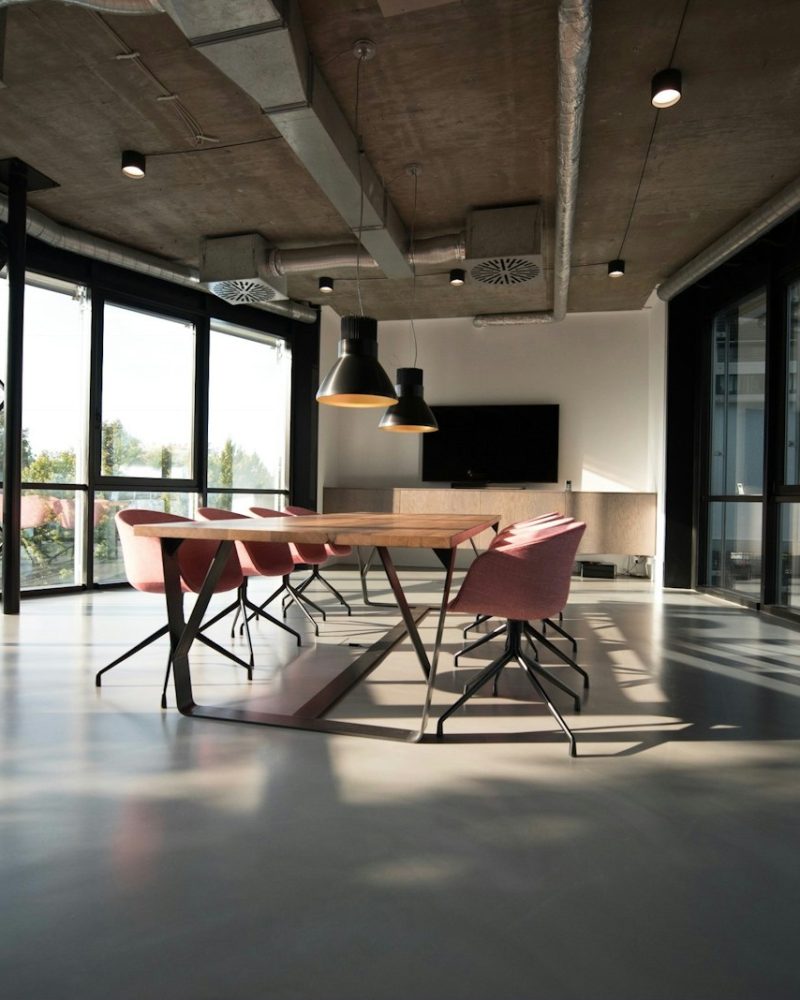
{"x": 261, "y": 47}
{"x": 106, "y": 6}
{"x": 504, "y": 247}
{"x": 42, "y": 228}
{"x": 235, "y": 268}
{"x": 437, "y": 252}
{"x": 574, "y": 43}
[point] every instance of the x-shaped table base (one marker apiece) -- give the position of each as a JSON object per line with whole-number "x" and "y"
{"x": 309, "y": 716}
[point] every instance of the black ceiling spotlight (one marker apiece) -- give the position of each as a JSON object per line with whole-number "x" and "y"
{"x": 616, "y": 268}
{"x": 133, "y": 164}
{"x": 666, "y": 88}
{"x": 457, "y": 277}
{"x": 410, "y": 414}
{"x": 326, "y": 285}
{"x": 357, "y": 378}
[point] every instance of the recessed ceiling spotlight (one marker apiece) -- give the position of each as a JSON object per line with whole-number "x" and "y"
{"x": 616, "y": 268}
{"x": 666, "y": 88}
{"x": 457, "y": 277}
{"x": 326, "y": 285}
{"x": 133, "y": 164}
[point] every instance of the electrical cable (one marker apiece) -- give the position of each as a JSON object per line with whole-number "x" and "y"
{"x": 360, "y": 190}
{"x": 413, "y": 265}
{"x": 652, "y": 136}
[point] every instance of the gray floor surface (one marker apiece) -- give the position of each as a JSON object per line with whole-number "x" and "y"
{"x": 146, "y": 855}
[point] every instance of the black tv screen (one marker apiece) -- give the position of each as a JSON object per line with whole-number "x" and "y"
{"x": 492, "y": 444}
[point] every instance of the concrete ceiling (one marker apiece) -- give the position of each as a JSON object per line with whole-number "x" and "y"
{"x": 467, "y": 89}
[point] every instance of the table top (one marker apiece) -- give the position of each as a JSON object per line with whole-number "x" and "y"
{"x": 424, "y": 531}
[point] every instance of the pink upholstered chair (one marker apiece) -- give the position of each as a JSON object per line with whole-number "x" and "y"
{"x": 256, "y": 559}
{"x": 145, "y": 572}
{"x": 302, "y": 555}
{"x": 520, "y": 581}
{"x": 508, "y": 536}
{"x": 331, "y": 550}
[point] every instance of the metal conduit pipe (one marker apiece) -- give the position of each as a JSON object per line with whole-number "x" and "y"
{"x": 444, "y": 251}
{"x": 778, "y": 208}
{"x": 106, "y": 6}
{"x": 42, "y": 228}
{"x": 574, "y": 44}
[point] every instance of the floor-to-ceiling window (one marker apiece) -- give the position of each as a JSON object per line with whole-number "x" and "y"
{"x": 54, "y": 421}
{"x": 130, "y": 403}
{"x": 248, "y": 419}
{"x": 733, "y": 427}
{"x": 736, "y": 460}
{"x": 788, "y": 521}
{"x": 145, "y": 459}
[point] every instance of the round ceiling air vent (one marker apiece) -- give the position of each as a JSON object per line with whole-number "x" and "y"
{"x": 240, "y": 291}
{"x": 504, "y": 271}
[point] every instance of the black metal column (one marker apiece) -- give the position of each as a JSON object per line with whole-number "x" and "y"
{"x": 17, "y": 210}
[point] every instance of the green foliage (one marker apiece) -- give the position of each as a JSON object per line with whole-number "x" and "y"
{"x": 50, "y": 467}
{"x": 119, "y": 449}
{"x": 232, "y": 466}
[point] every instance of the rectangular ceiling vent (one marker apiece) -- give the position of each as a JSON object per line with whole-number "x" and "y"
{"x": 234, "y": 269}
{"x": 504, "y": 246}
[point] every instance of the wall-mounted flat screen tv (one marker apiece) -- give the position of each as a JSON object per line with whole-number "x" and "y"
{"x": 492, "y": 444}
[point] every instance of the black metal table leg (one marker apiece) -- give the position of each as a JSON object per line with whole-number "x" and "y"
{"x": 428, "y": 666}
{"x": 310, "y": 715}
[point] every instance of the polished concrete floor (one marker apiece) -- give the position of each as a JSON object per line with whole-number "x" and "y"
{"x": 146, "y": 855}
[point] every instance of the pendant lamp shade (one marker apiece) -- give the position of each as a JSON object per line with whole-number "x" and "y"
{"x": 357, "y": 378}
{"x": 410, "y": 414}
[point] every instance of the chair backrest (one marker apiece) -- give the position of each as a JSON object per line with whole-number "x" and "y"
{"x": 531, "y": 523}
{"x": 142, "y": 556}
{"x": 526, "y": 579}
{"x": 313, "y": 555}
{"x": 332, "y": 550}
{"x": 35, "y": 511}
{"x": 527, "y": 529}
{"x": 256, "y": 558}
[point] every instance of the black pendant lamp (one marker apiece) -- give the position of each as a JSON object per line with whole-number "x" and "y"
{"x": 357, "y": 378}
{"x": 410, "y": 414}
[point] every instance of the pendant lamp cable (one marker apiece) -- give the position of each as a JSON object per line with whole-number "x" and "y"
{"x": 360, "y": 152}
{"x": 414, "y": 171}
{"x": 650, "y": 140}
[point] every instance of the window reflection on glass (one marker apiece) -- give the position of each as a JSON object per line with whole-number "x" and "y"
{"x": 108, "y": 565}
{"x": 148, "y": 388}
{"x": 248, "y": 425}
{"x": 789, "y": 556}
{"x": 792, "y": 470}
{"x": 734, "y": 547}
{"x": 51, "y": 538}
{"x": 737, "y": 398}
{"x": 241, "y": 503}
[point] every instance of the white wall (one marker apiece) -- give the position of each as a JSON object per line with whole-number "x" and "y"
{"x": 605, "y": 370}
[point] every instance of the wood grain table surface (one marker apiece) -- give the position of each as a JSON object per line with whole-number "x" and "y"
{"x": 429, "y": 531}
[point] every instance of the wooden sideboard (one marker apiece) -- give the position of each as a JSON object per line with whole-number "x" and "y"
{"x": 616, "y": 523}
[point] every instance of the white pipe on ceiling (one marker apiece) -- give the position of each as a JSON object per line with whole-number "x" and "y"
{"x": 106, "y": 6}
{"x": 43, "y": 228}
{"x": 574, "y": 44}
{"x": 778, "y": 208}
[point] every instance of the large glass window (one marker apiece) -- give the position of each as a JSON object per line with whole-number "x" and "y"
{"x": 792, "y": 455}
{"x": 148, "y": 395}
{"x": 146, "y": 434}
{"x": 736, "y": 464}
{"x": 737, "y": 416}
{"x": 54, "y": 431}
{"x": 248, "y": 415}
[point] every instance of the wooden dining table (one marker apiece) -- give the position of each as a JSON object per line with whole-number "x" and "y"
{"x": 442, "y": 533}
